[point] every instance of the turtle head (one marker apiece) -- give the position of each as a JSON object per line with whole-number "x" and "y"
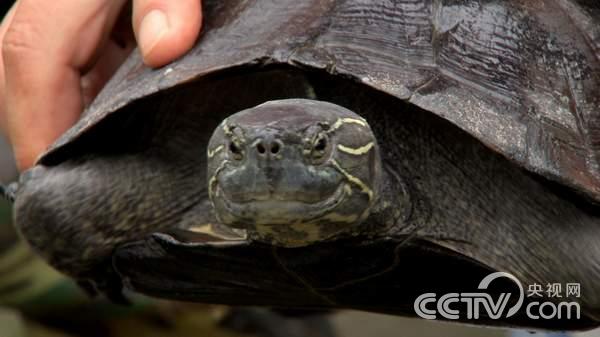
{"x": 293, "y": 172}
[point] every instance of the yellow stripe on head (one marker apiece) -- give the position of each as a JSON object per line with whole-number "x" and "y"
{"x": 363, "y": 187}
{"x": 341, "y": 121}
{"x": 356, "y": 151}
{"x": 215, "y": 151}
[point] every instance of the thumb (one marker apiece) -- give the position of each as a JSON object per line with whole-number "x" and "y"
{"x": 166, "y": 29}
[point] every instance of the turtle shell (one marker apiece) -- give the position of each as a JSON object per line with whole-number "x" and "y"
{"x": 521, "y": 76}
{"x": 386, "y": 276}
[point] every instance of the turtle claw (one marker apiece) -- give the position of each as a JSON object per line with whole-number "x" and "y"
{"x": 111, "y": 290}
{"x": 117, "y": 297}
{"x": 9, "y": 191}
{"x": 107, "y": 283}
{"x": 88, "y": 288}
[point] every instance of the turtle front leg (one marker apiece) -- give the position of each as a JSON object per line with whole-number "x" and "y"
{"x": 76, "y": 213}
{"x": 201, "y": 220}
{"x": 191, "y": 266}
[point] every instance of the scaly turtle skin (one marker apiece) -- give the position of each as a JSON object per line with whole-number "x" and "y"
{"x": 484, "y": 120}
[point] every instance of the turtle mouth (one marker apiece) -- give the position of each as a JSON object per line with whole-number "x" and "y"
{"x": 275, "y": 211}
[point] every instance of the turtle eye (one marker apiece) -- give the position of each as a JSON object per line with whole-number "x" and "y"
{"x": 320, "y": 145}
{"x": 319, "y": 148}
{"x": 235, "y": 151}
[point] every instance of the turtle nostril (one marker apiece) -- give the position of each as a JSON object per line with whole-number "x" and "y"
{"x": 274, "y": 148}
{"x": 261, "y": 148}
{"x": 268, "y": 147}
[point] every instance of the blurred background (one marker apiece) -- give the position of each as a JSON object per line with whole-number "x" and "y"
{"x": 36, "y": 301}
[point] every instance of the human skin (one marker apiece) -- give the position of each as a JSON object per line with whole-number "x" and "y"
{"x": 57, "y": 55}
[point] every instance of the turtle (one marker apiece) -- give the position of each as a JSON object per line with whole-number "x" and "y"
{"x": 339, "y": 154}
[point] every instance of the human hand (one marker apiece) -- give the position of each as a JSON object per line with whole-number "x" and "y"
{"x": 57, "y": 55}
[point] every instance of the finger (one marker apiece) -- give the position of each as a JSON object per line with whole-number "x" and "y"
{"x": 3, "y": 27}
{"x": 119, "y": 46}
{"x": 112, "y": 56}
{"x": 166, "y": 29}
{"x": 46, "y": 47}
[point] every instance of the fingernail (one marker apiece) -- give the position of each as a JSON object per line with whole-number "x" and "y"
{"x": 152, "y": 29}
